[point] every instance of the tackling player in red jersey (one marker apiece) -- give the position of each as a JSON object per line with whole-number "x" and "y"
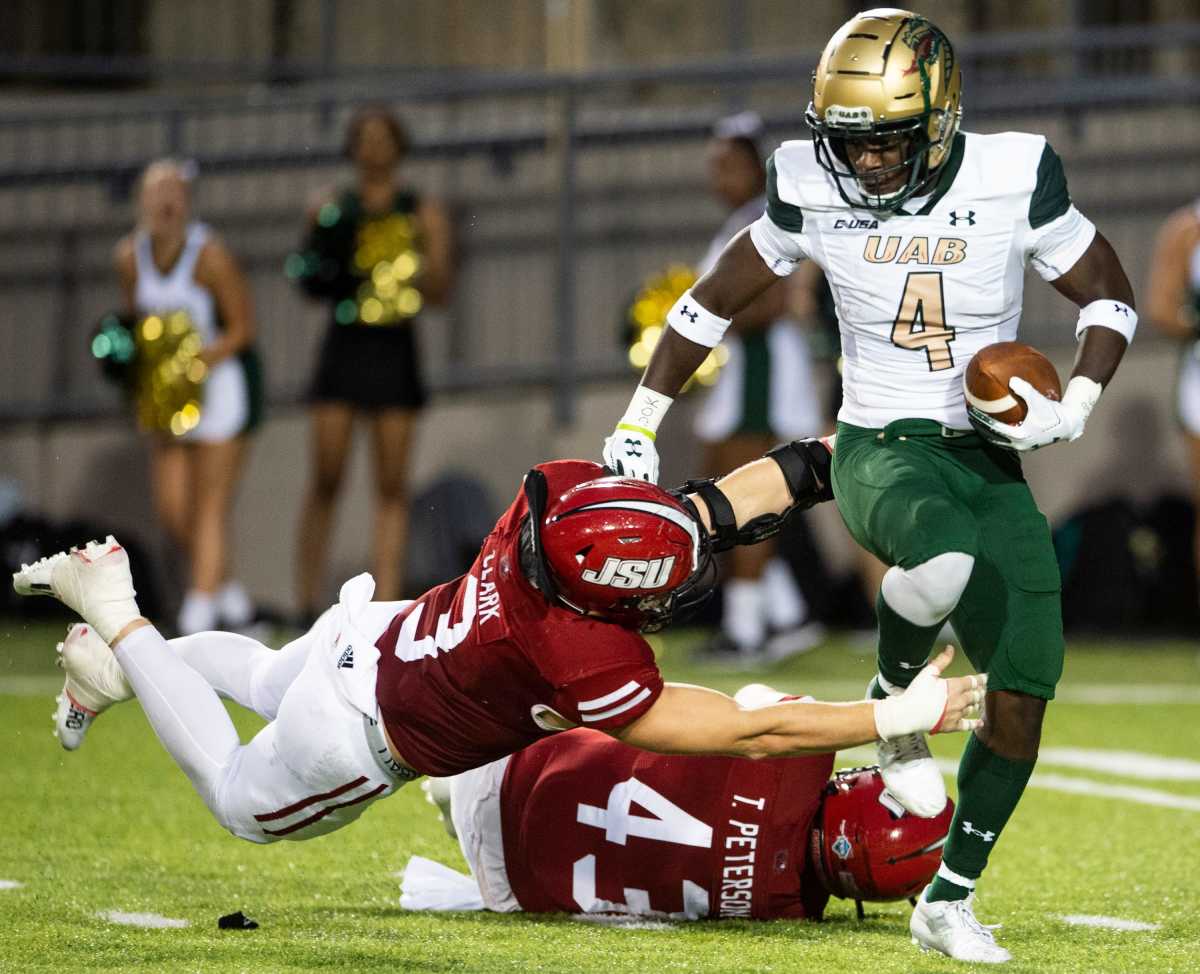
{"x": 583, "y": 823}
{"x": 540, "y": 636}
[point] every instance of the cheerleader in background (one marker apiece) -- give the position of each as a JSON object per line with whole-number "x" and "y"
{"x": 173, "y": 263}
{"x": 378, "y": 252}
{"x": 1173, "y": 305}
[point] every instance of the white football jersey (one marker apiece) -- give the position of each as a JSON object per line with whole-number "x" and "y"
{"x": 919, "y": 291}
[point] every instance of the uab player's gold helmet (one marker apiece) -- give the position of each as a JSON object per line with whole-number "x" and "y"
{"x": 887, "y": 79}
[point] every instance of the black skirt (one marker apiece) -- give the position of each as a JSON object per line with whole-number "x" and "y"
{"x": 370, "y": 367}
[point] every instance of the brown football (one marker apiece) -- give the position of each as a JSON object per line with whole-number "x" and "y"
{"x": 985, "y": 383}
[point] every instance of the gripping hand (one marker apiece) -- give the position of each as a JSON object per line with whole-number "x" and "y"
{"x": 631, "y": 453}
{"x": 1046, "y": 421}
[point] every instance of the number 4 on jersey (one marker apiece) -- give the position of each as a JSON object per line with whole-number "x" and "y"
{"x": 667, "y": 823}
{"x": 920, "y": 323}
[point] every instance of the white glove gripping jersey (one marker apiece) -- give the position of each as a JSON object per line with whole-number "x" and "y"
{"x": 920, "y": 291}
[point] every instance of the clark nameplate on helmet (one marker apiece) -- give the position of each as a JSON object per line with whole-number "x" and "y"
{"x": 887, "y": 74}
{"x": 985, "y": 383}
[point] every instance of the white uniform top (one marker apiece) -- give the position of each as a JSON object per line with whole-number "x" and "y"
{"x": 177, "y": 289}
{"x": 920, "y": 291}
{"x": 225, "y": 410}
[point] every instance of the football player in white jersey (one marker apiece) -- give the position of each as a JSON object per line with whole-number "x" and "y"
{"x": 924, "y": 233}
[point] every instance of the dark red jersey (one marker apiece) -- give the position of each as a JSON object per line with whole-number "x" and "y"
{"x": 478, "y": 668}
{"x": 591, "y": 824}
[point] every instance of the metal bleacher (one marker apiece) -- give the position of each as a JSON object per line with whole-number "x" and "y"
{"x": 566, "y": 191}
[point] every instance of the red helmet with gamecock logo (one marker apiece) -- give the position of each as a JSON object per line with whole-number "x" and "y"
{"x": 865, "y": 846}
{"x": 623, "y": 550}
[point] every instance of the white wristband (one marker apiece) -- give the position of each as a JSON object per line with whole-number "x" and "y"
{"x": 695, "y": 322}
{"x": 646, "y": 410}
{"x": 1108, "y": 313}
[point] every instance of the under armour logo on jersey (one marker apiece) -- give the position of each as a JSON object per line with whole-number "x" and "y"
{"x": 690, "y": 315}
{"x": 988, "y": 836}
{"x": 968, "y": 218}
{"x": 346, "y": 660}
{"x": 633, "y": 448}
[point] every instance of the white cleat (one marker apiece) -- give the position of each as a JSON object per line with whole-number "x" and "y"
{"x": 911, "y": 775}
{"x": 950, "y": 927}
{"x": 437, "y": 793}
{"x": 94, "y": 683}
{"x": 94, "y": 581}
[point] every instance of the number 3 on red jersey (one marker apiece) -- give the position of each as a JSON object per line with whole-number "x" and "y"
{"x": 669, "y": 824}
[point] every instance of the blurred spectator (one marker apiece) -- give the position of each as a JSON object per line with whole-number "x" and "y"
{"x": 172, "y": 263}
{"x": 378, "y": 252}
{"x": 764, "y": 394}
{"x": 1173, "y": 305}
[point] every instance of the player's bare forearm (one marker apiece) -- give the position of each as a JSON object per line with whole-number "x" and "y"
{"x": 738, "y": 277}
{"x": 1097, "y": 275}
{"x": 1100, "y": 352}
{"x": 672, "y": 363}
{"x": 695, "y": 720}
{"x": 754, "y": 489}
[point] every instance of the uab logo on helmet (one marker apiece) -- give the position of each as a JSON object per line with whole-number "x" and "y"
{"x": 631, "y": 572}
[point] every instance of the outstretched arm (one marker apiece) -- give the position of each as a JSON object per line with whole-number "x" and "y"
{"x": 695, "y": 324}
{"x": 751, "y": 503}
{"x": 738, "y": 277}
{"x": 695, "y": 720}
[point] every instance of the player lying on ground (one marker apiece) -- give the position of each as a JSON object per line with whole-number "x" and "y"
{"x": 554, "y": 828}
{"x": 924, "y": 234}
{"x": 541, "y": 635}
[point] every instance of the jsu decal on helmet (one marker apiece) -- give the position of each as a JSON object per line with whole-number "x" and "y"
{"x": 632, "y": 572}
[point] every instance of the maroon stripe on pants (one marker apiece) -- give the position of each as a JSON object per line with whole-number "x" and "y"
{"x": 305, "y": 802}
{"x": 326, "y": 811}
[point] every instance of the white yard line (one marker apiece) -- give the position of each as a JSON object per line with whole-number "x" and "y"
{"x": 1071, "y": 785}
{"x": 622, "y": 922}
{"x": 1131, "y": 764}
{"x": 10, "y": 884}
{"x": 1106, "y": 923}
{"x": 1129, "y": 793}
{"x": 151, "y": 920}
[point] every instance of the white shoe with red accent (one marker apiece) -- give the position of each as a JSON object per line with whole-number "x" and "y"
{"x": 94, "y": 581}
{"x": 94, "y": 683}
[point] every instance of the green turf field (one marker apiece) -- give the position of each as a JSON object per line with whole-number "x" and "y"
{"x": 115, "y": 827}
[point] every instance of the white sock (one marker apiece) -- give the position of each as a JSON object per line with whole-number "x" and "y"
{"x": 783, "y": 602}
{"x": 185, "y": 712}
{"x": 742, "y": 619}
{"x": 234, "y": 605}
{"x": 242, "y": 669}
{"x": 198, "y": 612}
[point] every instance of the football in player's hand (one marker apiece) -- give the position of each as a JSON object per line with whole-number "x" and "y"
{"x": 985, "y": 383}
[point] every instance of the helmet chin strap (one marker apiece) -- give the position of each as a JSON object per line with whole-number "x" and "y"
{"x": 536, "y": 495}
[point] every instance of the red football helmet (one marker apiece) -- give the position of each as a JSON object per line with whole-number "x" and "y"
{"x": 624, "y": 550}
{"x": 867, "y": 847}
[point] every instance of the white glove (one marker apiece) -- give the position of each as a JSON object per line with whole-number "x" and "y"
{"x": 1047, "y": 421}
{"x": 631, "y": 453}
{"x": 923, "y": 706}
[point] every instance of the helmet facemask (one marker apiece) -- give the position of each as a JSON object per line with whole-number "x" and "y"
{"x": 645, "y": 613}
{"x": 830, "y": 144}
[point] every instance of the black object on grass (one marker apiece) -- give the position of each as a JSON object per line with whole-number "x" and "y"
{"x": 236, "y": 921}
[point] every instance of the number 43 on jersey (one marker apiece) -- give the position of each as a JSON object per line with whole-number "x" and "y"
{"x": 667, "y": 823}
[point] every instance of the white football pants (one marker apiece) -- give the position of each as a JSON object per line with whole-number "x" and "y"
{"x": 311, "y": 770}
